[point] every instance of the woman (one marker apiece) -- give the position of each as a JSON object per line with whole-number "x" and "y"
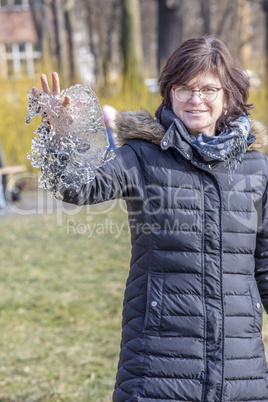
{"x": 196, "y": 191}
{"x": 109, "y": 117}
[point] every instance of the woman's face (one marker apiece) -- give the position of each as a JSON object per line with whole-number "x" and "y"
{"x": 197, "y": 115}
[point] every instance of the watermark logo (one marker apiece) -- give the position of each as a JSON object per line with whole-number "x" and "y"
{"x": 108, "y": 227}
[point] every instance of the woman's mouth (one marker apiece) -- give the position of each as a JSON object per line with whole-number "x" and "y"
{"x": 195, "y": 111}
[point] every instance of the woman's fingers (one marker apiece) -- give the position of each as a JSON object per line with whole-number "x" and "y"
{"x": 55, "y": 87}
{"x": 44, "y": 83}
{"x": 35, "y": 91}
{"x": 67, "y": 101}
{"x": 55, "y": 83}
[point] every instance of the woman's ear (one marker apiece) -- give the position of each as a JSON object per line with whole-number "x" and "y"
{"x": 225, "y": 106}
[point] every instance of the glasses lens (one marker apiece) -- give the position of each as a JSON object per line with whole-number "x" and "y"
{"x": 208, "y": 94}
{"x": 183, "y": 94}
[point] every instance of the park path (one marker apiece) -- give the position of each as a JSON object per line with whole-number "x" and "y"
{"x": 32, "y": 203}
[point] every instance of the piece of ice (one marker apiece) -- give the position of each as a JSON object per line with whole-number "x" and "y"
{"x": 71, "y": 141}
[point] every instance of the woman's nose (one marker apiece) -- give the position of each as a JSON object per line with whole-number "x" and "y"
{"x": 195, "y": 99}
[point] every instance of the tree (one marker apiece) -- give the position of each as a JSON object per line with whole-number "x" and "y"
{"x": 70, "y": 22}
{"x": 37, "y": 25}
{"x": 205, "y": 13}
{"x": 56, "y": 32}
{"x": 43, "y": 31}
{"x": 102, "y": 21}
{"x": 217, "y": 18}
{"x": 132, "y": 44}
{"x": 62, "y": 51}
{"x": 170, "y": 28}
{"x": 265, "y": 8}
{"x": 228, "y": 17}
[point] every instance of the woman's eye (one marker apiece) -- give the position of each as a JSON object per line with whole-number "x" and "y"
{"x": 183, "y": 89}
{"x": 208, "y": 90}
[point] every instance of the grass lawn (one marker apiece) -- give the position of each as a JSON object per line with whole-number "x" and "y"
{"x": 61, "y": 291}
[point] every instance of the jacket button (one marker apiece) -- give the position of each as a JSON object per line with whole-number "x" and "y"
{"x": 154, "y": 303}
{"x": 188, "y": 156}
{"x": 165, "y": 143}
{"x": 258, "y": 305}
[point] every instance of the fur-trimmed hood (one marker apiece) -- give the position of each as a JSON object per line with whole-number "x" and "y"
{"x": 142, "y": 125}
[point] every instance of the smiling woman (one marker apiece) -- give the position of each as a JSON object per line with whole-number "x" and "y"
{"x": 197, "y": 198}
{"x": 206, "y": 62}
{"x": 197, "y": 113}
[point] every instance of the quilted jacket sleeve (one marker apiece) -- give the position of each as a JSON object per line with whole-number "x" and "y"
{"x": 261, "y": 253}
{"x": 118, "y": 178}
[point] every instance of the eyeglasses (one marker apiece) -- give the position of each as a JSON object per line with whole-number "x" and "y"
{"x": 206, "y": 94}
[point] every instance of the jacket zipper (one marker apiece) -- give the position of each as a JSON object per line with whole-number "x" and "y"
{"x": 208, "y": 169}
{"x": 222, "y": 301}
{"x": 203, "y": 284}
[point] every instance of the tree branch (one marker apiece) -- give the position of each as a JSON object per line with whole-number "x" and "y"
{"x": 228, "y": 10}
{"x": 37, "y": 26}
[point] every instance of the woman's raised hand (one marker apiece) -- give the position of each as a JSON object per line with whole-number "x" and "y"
{"x": 55, "y": 87}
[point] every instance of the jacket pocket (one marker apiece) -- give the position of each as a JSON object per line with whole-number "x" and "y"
{"x": 154, "y": 303}
{"x": 256, "y": 304}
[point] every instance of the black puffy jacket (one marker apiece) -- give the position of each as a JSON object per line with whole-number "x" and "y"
{"x": 192, "y": 314}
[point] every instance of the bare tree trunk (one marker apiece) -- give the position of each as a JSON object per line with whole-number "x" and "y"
{"x": 265, "y": 8}
{"x": 37, "y": 25}
{"x": 205, "y": 13}
{"x": 170, "y": 28}
{"x": 62, "y": 51}
{"x": 132, "y": 44}
{"x": 103, "y": 19}
{"x": 93, "y": 50}
{"x": 70, "y": 28}
{"x": 229, "y": 13}
{"x": 97, "y": 37}
{"x": 46, "y": 42}
{"x": 109, "y": 48}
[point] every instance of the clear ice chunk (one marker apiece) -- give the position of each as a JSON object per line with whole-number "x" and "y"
{"x": 71, "y": 141}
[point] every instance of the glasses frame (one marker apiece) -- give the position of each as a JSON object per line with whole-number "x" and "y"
{"x": 198, "y": 91}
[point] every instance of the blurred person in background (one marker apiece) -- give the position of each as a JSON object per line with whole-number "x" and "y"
{"x": 109, "y": 117}
{"x": 2, "y": 196}
{"x": 2, "y": 183}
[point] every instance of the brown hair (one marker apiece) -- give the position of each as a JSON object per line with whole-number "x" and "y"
{"x": 199, "y": 56}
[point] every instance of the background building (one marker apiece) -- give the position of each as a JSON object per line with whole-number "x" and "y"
{"x": 19, "y": 46}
